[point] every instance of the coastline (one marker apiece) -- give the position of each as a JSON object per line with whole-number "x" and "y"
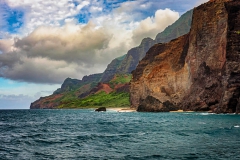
{"x": 121, "y": 109}
{"x": 179, "y": 111}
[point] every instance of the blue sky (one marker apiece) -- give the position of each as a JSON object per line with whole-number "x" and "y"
{"x": 13, "y": 18}
{"x": 44, "y": 42}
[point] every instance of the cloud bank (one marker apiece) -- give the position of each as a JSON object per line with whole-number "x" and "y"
{"x": 50, "y": 54}
{"x": 44, "y": 42}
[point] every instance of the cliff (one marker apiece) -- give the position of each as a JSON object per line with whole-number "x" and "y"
{"x": 134, "y": 55}
{"x": 129, "y": 62}
{"x": 162, "y": 76}
{"x": 199, "y": 71}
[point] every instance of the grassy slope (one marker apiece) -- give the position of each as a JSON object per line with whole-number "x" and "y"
{"x": 120, "y": 79}
{"x": 113, "y": 99}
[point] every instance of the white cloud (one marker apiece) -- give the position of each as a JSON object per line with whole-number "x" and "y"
{"x": 48, "y": 13}
{"x": 151, "y": 26}
{"x": 6, "y": 45}
{"x": 51, "y": 54}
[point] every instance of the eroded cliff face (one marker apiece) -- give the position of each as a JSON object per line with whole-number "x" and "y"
{"x": 161, "y": 75}
{"x": 208, "y": 75}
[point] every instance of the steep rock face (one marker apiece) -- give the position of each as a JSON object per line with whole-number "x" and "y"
{"x": 208, "y": 77}
{"x": 46, "y": 102}
{"x": 134, "y": 55}
{"x": 231, "y": 97}
{"x": 161, "y": 75}
{"x": 213, "y": 58}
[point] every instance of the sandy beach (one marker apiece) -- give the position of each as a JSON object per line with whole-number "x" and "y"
{"x": 121, "y": 109}
{"x": 181, "y": 111}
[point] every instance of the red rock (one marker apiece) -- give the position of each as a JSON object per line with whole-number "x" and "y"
{"x": 199, "y": 71}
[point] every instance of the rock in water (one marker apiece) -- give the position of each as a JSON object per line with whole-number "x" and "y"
{"x": 101, "y": 109}
{"x": 199, "y": 71}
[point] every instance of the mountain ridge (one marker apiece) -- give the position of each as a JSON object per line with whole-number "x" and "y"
{"x": 121, "y": 67}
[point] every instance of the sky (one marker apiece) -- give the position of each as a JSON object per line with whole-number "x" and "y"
{"x": 42, "y": 42}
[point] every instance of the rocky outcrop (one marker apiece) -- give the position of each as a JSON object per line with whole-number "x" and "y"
{"x": 199, "y": 71}
{"x": 46, "y": 102}
{"x": 161, "y": 75}
{"x": 101, "y": 109}
{"x": 151, "y": 104}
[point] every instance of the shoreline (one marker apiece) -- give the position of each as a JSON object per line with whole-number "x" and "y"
{"x": 179, "y": 111}
{"x": 121, "y": 109}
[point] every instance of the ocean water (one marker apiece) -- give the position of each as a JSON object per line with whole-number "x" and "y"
{"x": 85, "y": 134}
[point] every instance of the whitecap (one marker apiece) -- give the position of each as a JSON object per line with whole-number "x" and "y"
{"x": 204, "y": 114}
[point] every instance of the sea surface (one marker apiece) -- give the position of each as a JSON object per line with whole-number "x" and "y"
{"x": 85, "y": 134}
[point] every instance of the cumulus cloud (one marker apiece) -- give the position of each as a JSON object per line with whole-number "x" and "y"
{"x": 55, "y": 45}
{"x": 51, "y": 54}
{"x": 151, "y": 26}
{"x": 70, "y": 43}
{"x": 6, "y": 45}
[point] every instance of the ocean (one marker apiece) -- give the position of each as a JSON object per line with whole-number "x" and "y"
{"x": 85, "y": 134}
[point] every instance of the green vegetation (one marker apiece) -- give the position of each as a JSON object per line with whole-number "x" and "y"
{"x": 71, "y": 91}
{"x": 120, "y": 79}
{"x": 96, "y": 100}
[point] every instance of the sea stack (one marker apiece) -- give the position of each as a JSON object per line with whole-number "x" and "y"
{"x": 199, "y": 71}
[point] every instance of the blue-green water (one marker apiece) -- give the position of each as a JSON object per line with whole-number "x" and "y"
{"x": 85, "y": 134}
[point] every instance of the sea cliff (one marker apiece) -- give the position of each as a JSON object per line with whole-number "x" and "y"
{"x": 199, "y": 71}
{"x": 114, "y": 81}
